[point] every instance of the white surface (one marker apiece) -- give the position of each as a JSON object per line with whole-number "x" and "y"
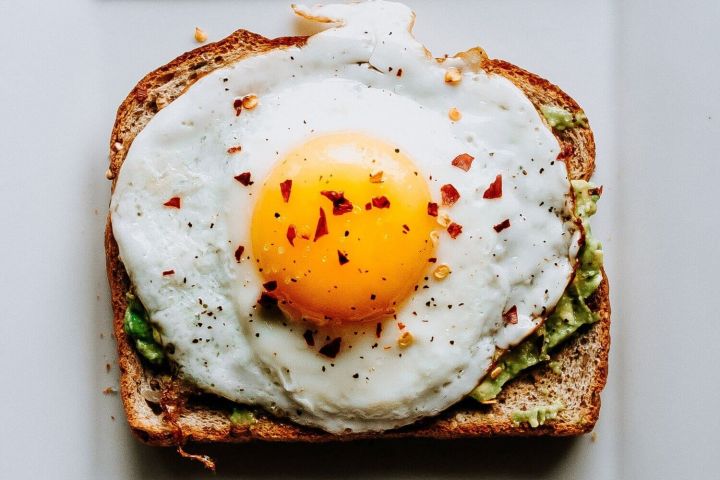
{"x": 647, "y": 77}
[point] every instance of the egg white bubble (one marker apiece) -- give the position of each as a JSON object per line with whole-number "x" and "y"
{"x": 344, "y": 79}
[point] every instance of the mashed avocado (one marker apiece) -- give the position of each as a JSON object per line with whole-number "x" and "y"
{"x": 571, "y": 311}
{"x": 242, "y": 416}
{"x": 537, "y": 416}
{"x": 137, "y": 327}
{"x": 560, "y": 119}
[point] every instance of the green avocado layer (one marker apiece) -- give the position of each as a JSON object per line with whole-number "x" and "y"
{"x": 242, "y": 416}
{"x": 570, "y": 313}
{"x": 537, "y": 416}
{"x": 144, "y": 336}
{"x": 561, "y": 119}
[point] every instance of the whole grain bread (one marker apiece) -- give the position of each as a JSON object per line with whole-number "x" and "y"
{"x": 161, "y": 410}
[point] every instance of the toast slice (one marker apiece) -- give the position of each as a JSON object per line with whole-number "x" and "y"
{"x": 163, "y": 411}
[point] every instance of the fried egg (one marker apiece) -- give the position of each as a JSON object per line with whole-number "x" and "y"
{"x": 345, "y": 233}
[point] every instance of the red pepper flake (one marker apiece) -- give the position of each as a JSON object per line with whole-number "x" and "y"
{"x": 174, "y": 202}
{"x": 378, "y": 329}
{"x": 291, "y": 234}
{"x": 449, "y": 195}
{"x": 432, "y": 259}
{"x": 566, "y": 151}
{"x": 238, "y": 253}
{"x": 595, "y": 190}
{"x": 342, "y": 258}
{"x": 309, "y": 338}
{"x": 244, "y": 178}
{"x": 270, "y": 286}
{"x": 368, "y": 206}
{"x": 510, "y": 317}
{"x": 331, "y": 348}
{"x": 401, "y": 325}
{"x": 495, "y": 188}
{"x": 322, "y": 228}
{"x": 502, "y": 225}
{"x": 463, "y": 161}
{"x": 399, "y": 72}
{"x": 454, "y": 229}
{"x": 238, "y": 105}
{"x": 340, "y": 203}
{"x": 236, "y": 149}
{"x": 432, "y": 209}
{"x": 381, "y": 202}
{"x": 285, "y": 188}
{"x": 267, "y": 301}
{"x": 168, "y": 272}
{"x": 376, "y": 177}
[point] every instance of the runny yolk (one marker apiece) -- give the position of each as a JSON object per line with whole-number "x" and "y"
{"x": 378, "y": 243}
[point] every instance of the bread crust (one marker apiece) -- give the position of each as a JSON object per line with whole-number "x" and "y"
{"x": 584, "y": 359}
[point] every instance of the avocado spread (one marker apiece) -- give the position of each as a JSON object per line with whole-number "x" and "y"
{"x": 242, "y": 416}
{"x": 537, "y": 416}
{"x": 560, "y": 119}
{"x": 137, "y": 327}
{"x": 571, "y": 311}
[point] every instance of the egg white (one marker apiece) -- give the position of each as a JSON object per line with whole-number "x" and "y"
{"x": 344, "y": 79}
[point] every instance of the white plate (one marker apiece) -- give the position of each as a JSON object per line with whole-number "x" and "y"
{"x": 647, "y": 76}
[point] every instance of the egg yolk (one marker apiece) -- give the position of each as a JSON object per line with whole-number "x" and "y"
{"x": 341, "y": 231}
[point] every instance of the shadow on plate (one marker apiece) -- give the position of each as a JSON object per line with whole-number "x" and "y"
{"x": 408, "y": 458}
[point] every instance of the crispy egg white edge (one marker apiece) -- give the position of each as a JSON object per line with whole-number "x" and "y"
{"x": 183, "y": 151}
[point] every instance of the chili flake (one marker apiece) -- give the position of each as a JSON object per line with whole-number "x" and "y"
{"x": 510, "y": 317}
{"x": 405, "y": 339}
{"x": 441, "y": 271}
{"x": 174, "y": 202}
{"x": 285, "y": 188}
{"x": 453, "y": 75}
{"x": 238, "y": 253}
{"x": 235, "y": 149}
{"x": 238, "y": 105}
{"x": 502, "y": 225}
{"x": 381, "y": 202}
{"x": 322, "y": 228}
{"x": 449, "y": 195}
{"x": 495, "y": 188}
{"x": 340, "y": 203}
{"x": 432, "y": 209}
{"x": 378, "y": 329}
{"x": 463, "y": 161}
{"x": 270, "y": 286}
{"x": 454, "y": 229}
{"x": 291, "y": 234}
{"x": 168, "y": 272}
{"x": 342, "y": 258}
{"x": 244, "y": 179}
{"x": 250, "y": 101}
